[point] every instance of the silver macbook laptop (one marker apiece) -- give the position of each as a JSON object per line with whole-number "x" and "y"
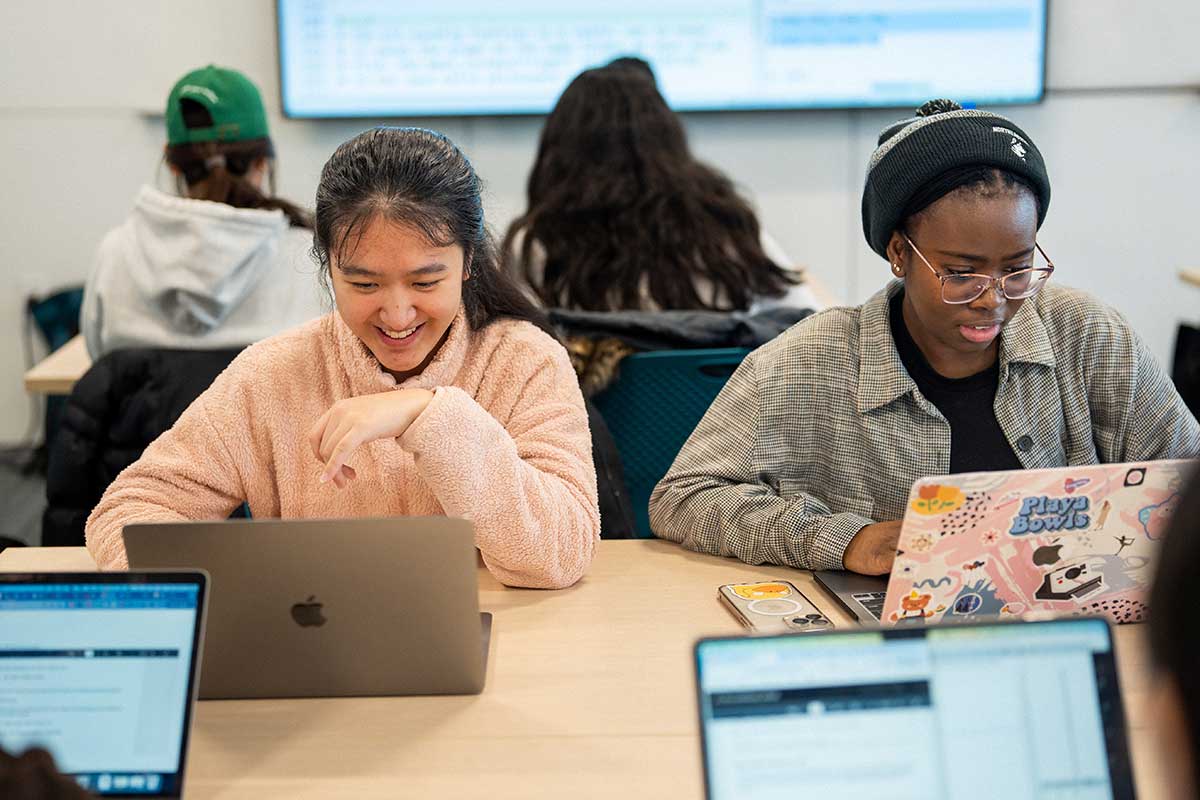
{"x": 100, "y": 670}
{"x": 321, "y": 608}
{"x": 993, "y": 710}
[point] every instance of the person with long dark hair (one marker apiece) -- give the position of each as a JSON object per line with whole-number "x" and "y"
{"x": 969, "y": 359}
{"x": 222, "y": 263}
{"x": 621, "y": 216}
{"x": 433, "y": 389}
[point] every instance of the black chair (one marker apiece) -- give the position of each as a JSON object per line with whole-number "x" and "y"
{"x": 122, "y": 404}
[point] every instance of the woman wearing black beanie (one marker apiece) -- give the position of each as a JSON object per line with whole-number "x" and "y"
{"x": 971, "y": 359}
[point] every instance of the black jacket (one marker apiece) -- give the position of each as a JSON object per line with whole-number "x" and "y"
{"x": 680, "y": 330}
{"x": 117, "y": 408}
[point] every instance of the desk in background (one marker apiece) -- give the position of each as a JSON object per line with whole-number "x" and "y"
{"x": 589, "y": 694}
{"x": 58, "y": 372}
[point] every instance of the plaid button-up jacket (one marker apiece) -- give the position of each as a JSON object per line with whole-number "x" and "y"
{"x": 822, "y": 431}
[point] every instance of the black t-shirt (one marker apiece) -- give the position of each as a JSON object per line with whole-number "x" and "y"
{"x": 977, "y": 444}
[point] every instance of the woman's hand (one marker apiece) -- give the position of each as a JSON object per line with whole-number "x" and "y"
{"x": 873, "y": 549}
{"x": 353, "y": 422}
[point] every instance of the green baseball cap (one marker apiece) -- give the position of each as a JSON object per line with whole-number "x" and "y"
{"x": 231, "y": 100}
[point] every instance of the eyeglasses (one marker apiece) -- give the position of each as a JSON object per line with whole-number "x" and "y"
{"x": 966, "y": 287}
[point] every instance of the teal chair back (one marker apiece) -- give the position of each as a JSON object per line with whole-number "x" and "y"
{"x": 653, "y": 407}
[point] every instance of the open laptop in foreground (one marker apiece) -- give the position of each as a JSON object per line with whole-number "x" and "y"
{"x": 1070, "y": 540}
{"x": 996, "y": 710}
{"x": 322, "y": 608}
{"x": 100, "y": 670}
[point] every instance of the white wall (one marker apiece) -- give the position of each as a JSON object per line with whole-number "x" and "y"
{"x": 82, "y": 83}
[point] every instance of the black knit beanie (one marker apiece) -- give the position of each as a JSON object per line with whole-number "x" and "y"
{"x": 922, "y": 159}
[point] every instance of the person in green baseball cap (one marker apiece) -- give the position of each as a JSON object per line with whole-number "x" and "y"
{"x": 218, "y": 263}
{"x": 218, "y": 145}
{"x": 213, "y": 104}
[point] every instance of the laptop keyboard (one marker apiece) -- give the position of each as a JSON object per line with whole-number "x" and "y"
{"x": 872, "y": 601}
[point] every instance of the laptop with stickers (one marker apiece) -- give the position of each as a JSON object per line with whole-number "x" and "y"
{"x": 1073, "y": 540}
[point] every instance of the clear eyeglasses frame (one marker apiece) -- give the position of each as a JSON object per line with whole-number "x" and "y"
{"x": 967, "y": 287}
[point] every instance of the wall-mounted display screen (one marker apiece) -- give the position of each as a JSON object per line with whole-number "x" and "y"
{"x": 359, "y": 58}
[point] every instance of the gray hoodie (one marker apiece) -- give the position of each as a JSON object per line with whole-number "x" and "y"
{"x": 194, "y": 274}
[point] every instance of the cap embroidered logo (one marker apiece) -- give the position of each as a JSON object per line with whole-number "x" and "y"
{"x": 1019, "y": 149}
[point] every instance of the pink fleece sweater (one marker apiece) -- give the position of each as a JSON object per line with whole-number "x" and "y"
{"x": 504, "y": 443}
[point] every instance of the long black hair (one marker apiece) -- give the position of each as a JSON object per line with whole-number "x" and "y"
{"x": 623, "y": 212}
{"x": 418, "y": 178}
{"x": 1174, "y": 625}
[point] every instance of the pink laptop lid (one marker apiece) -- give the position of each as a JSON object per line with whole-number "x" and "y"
{"x": 1071, "y": 540}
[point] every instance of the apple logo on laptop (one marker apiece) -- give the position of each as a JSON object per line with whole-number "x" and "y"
{"x": 308, "y": 614}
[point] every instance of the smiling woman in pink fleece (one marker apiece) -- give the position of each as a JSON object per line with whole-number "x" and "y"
{"x": 430, "y": 391}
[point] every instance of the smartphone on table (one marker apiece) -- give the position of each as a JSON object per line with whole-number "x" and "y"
{"x": 773, "y": 607}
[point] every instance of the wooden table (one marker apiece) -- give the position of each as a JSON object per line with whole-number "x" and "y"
{"x": 1191, "y": 276}
{"x": 589, "y": 694}
{"x": 58, "y": 372}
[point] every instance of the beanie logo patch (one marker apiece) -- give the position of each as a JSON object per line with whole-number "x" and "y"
{"x": 1010, "y": 132}
{"x": 1018, "y": 144}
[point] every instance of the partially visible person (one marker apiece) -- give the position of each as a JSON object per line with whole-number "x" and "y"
{"x": 223, "y": 264}
{"x": 1175, "y": 648}
{"x": 970, "y": 359}
{"x": 622, "y": 217}
{"x": 32, "y": 775}
{"x": 433, "y": 389}
{"x": 636, "y": 63}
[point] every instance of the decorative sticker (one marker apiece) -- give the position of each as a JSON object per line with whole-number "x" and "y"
{"x": 761, "y": 591}
{"x": 1071, "y": 484}
{"x": 1046, "y": 514}
{"x": 934, "y": 499}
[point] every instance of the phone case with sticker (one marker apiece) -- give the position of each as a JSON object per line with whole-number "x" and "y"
{"x": 773, "y": 607}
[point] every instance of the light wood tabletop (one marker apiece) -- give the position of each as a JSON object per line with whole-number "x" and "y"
{"x": 589, "y": 694}
{"x": 58, "y": 372}
{"x": 1191, "y": 276}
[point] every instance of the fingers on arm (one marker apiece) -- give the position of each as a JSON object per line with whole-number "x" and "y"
{"x": 317, "y": 432}
{"x": 341, "y": 450}
{"x": 333, "y": 438}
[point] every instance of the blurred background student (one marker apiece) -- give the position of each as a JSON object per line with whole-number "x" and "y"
{"x": 177, "y": 290}
{"x": 223, "y": 263}
{"x": 1175, "y": 648}
{"x": 622, "y": 217}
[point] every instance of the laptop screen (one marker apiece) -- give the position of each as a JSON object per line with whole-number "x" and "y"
{"x": 980, "y": 711}
{"x": 99, "y": 670}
